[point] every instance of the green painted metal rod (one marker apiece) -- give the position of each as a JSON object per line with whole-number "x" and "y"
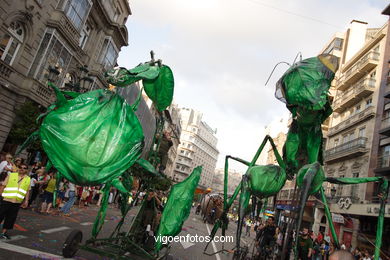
{"x": 329, "y": 217}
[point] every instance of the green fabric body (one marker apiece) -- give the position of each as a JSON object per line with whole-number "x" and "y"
{"x": 306, "y": 84}
{"x": 160, "y": 90}
{"x": 178, "y": 206}
{"x": 121, "y": 77}
{"x": 303, "y": 146}
{"x": 266, "y": 180}
{"x": 93, "y": 138}
{"x": 317, "y": 181}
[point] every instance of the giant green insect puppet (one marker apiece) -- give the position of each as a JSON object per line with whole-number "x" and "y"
{"x": 304, "y": 88}
{"x": 95, "y": 137}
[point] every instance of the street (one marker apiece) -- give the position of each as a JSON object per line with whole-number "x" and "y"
{"x": 37, "y": 236}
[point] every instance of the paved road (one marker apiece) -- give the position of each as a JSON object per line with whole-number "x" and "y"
{"x": 39, "y": 236}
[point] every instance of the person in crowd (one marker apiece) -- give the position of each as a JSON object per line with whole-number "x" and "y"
{"x": 305, "y": 245}
{"x": 71, "y": 190}
{"x": 17, "y": 164}
{"x": 61, "y": 192}
{"x": 7, "y": 165}
{"x": 266, "y": 234}
{"x": 15, "y": 194}
{"x": 33, "y": 188}
{"x": 36, "y": 166}
{"x": 366, "y": 255}
{"x": 341, "y": 255}
{"x": 151, "y": 204}
{"x": 248, "y": 225}
{"x": 48, "y": 194}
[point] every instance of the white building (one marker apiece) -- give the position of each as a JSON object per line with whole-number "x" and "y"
{"x": 234, "y": 178}
{"x": 198, "y": 147}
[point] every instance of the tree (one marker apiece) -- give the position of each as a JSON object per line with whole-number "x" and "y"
{"x": 24, "y": 125}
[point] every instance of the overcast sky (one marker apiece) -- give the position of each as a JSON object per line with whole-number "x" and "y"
{"x": 222, "y": 52}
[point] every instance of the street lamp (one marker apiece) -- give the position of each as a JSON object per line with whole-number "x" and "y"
{"x": 84, "y": 84}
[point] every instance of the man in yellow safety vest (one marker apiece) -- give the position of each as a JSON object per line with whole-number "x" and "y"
{"x": 15, "y": 195}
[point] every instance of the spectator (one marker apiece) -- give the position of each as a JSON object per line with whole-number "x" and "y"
{"x": 7, "y": 165}
{"x": 15, "y": 193}
{"x": 18, "y": 162}
{"x": 72, "y": 198}
{"x": 305, "y": 245}
{"x": 48, "y": 194}
{"x": 341, "y": 255}
{"x": 248, "y": 227}
{"x": 366, "y": 255}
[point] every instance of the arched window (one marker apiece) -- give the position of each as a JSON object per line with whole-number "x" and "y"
{"x": 323, "y": 220}
{"x": 11, "y": 42}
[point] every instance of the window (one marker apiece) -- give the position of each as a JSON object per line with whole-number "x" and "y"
{"x": 368, "y": 102}
{"x": 336, "y": 142}
{"x": 11, "y": 42}
{"x": 355, "y": 187}
{"x": 51, "y": 52}
{"x": 362, "y": 132}
{"x": 77, "y": 11}
{"x": 109, "y": 54}
{"x": 84, "y": 35}
{"x": 357, "y": 108}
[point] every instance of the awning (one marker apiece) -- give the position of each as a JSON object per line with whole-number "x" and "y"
{"x": 337, "y": 218}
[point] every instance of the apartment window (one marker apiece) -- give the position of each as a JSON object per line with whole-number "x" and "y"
{"x": 355, "y": 187}
{"x": 362, "y": 132}
{"x": 339, "y": 188}
{"x": 368, "y": 102}
{"x": 84, "y": 35}
{"x": 373, "y": 74}
{"x": 11, "y": 42}
{"x": 77, "y": 11}
{"x": 109, "y": 54}
{"x": 52, "y": 52}
{"x": 357, "y": 108}
{"x": 336, "y": 142}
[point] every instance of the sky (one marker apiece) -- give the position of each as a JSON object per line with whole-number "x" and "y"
{"x": 223, "y": 51}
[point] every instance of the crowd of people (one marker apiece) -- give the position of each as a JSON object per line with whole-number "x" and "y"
{"x": 33, "y": 187}
{"x": 269, "y": 238}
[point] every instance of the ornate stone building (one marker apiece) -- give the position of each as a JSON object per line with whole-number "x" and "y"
{"x": 36, "y": 34}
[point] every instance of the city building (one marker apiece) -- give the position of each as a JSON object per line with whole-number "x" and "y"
{"x": 234, "y": 178}
{"x": 357, "y": 139}
{"x": 66, "y": 34}
{"x": 198, "y": 147}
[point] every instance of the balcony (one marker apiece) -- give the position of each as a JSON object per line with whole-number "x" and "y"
{"x": 350, "y": 149}
{"x": 352, "y": 120}
{"x": 383, "y": 165}
{"x": 385, "y": 127}
{"x": 354, "y": 94}
{"x": 60, "y": 21}
{"x": 360, "y": 68}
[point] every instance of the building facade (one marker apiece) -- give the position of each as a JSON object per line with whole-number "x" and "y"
{"x": 356, "y": 141}
{"x": 198, "y": 147}
{"x": 234, "y": 178}
{"x": 66, "y": 34}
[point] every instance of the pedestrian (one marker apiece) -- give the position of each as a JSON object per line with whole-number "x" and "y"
{"x": 341, "y": 255}
{"x": 72, "y": 198}
{"x": 305, "y": 245}
{"x": 48, "y": 194}
{"x": 7, "y": 165}
{"x": 17, "y": 163}
{"x": 34, "y": 188}
{"x": 248, "y": 227}
{"x": 15, "y": 193}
